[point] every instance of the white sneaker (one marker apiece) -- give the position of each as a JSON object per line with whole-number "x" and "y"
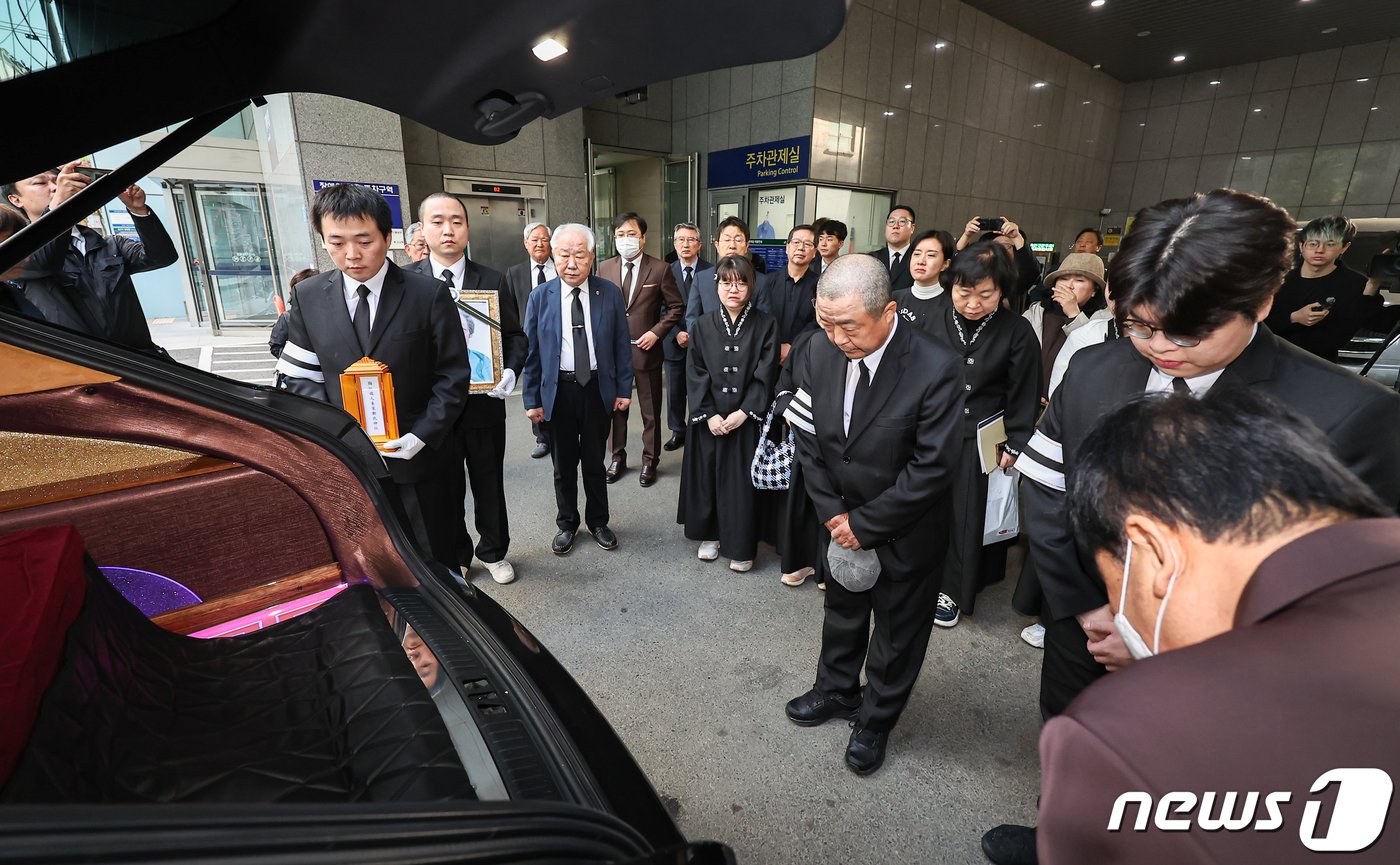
{"x": 502, "y": 572}
{"x": 1035, "y": 635}
{"x": 739, "y": 567}
{"x": 709, "y": 551}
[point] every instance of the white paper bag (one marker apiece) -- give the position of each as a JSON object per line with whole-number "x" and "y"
{"x": 1003, "y": 521}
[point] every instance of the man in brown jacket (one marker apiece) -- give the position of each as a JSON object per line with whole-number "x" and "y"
{"x": 653, "y": 307}
{"x": 1233, "y": 542}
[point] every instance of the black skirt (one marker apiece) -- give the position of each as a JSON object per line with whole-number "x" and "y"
{"x": 718, "y": 500}
{"x": 970, "y": 566}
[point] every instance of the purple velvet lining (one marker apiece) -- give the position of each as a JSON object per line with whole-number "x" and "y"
{"x": 151, "y": 593}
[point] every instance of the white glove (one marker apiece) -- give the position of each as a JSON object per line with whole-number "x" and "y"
{"x": 505, "y": 387}
{"x": 402, "y": 448}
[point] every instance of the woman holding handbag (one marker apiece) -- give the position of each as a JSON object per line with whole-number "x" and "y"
{"x": 731, "y": 368}
{"x": 1001, "y": 375}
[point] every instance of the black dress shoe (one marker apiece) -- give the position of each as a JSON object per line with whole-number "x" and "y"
{"x": 540, "y": 452}
{"x": 815, "y": 708}
{"x": 675, "y": 443}
{"x": 1008, "y": 844}
{"x": 866, "y": 750}
{"x": 563, "y": 542}
{"x": 648, "y": 475}
{"x": 605, "y": 537}
{"x": 615, "y": 470}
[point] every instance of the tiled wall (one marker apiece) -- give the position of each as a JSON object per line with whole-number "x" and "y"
{"x": 1302, "y": 130}
{"x": 970, "y": 133}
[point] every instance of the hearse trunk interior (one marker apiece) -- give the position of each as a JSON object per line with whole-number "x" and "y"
{"x": 206, "y": 609}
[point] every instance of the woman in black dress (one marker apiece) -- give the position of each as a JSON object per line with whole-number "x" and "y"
{"x": 731, "y": 368}
{"x": 930, "y": 254}
{"x": 1001, "y": 374}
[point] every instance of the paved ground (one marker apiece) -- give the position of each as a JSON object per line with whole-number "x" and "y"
{"x": 692, "y": 664}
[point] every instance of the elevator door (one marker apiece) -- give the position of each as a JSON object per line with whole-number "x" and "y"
{"x": 496, "y": 228}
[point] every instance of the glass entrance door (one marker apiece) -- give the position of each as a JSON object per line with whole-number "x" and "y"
{"x": 678, "y": 195}
{"x": 725, "y": 203}
{"x": 239, "y": 263}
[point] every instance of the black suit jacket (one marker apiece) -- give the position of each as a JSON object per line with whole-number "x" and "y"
{"x": 520, "y": 279}
{"x": 900, "y": 277}
{"x": 483, "y": 411}
{"x": 1359, "y": 416}
{"x": 892, "y": 471}
{"x": 416, "y": 334}
{"x": 673, "y": 351}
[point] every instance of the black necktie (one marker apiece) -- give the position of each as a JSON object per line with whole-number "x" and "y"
{"x": 451, "y": 283}
{"x": 894, "y": 263}
{"x": 361, "y": 321}
{"x": 627, "y": 278}
{"x": 862, "y": 392}
{"x": 540, "y": 280}
{"x": 581, "y": 362}
{"x": 689, "y": 279}
{"x": 1179, "y": 385}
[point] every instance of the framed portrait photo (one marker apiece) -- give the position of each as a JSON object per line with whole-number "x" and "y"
{"x": 483, "y": 340}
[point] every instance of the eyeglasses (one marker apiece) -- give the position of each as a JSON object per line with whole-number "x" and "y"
{"x": 1320, "y": 244}
{"x": 734, "y": 286}
{"x": 802, "y": 244}
{"x": 1138, "y": 330}
{"x": 900, "y": 222}
{"x": 687, "y": 240}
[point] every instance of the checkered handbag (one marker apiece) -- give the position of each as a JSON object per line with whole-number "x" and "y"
{"x": 772, "y": 461}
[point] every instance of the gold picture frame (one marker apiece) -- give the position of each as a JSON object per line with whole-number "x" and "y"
{"x": 483, "y": 340}
{"x": 367, "y": 392}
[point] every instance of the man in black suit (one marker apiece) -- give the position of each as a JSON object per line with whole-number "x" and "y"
{"x": 523, "y": 278}
{"x": 894, "y": 255}
{"x": 787, "y": 294}
{"x": 1192, "y": 285}
{"x": 686, "y": 267}
{"x": 368, "y": 307}
{"x": 577, "y": 373}
{"x": 878, "y": 414}
{"x": 481, "y": 428}
{"x": 731, "y": 238}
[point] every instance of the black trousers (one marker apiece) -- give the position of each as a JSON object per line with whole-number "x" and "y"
{"x": 579, "y": 424}
{"x": 541, "y": 431}
{"x": 893, "y": 654}
{"x": 484, "y": 453}
{"x": 431, "y": 515}
{"x": 675, "y": 397}
{"x": 1067, "y": 668}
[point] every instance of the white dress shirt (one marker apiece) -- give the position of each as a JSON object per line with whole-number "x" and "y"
{"x": 902, "y": 252}
{"x": 458, "y": 269}
{"x": 629, "y": 288}
{"x": 79, "y": 242}
{"x": 872, "y": 363}
{"x": 352, "y": 295}
{"x": 549, "y": 272}
{"x": 566, "y": 321}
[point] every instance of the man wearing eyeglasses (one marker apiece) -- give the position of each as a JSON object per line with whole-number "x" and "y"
{"x": 1323, "y": 303}
{"x": 899, "y": 227}
{"x": 686, "y": 267}
{"x": 788, "y": 294}
{"x": 1192, "y": 286}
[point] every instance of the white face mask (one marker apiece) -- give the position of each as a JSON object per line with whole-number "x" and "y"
{"x": 1137, "y": 646}
{"x": 627, "y": 247}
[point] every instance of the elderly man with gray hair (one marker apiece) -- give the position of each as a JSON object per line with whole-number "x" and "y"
{"x": 415, "y": 245}
{"x": 878, "y": 413}
{"x": 577, "y": 373}
{"x": 523, "y": 277}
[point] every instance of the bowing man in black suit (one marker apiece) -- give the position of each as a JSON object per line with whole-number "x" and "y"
{"x": 481, "y": 428}
{"x": 523, "y": 278}
{"x": 368, "y": 307}
{"x": 879, "y": 423}
{"x": 894, "y": 255}
{"x": 1192, "y": 285}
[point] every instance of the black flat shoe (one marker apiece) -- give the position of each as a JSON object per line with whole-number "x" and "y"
{"x": 866, "y": 751}
{"x": 540, "y": 452}
{"x": 563, "y": 542}
{"x": 675, "y": 443}
{"x": 605, "y": 537}
{"x": 814, "y": 708}
{"x": 1009, "y": 844}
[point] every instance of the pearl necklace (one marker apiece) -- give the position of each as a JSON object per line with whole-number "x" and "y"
{"x": 967, "y": 343}
{"x": 738, "y": 325}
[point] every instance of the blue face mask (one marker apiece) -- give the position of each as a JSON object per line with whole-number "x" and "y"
{"x": 1137, "y": 646}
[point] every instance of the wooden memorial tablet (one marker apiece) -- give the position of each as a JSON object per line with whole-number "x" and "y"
{"x": 367, "y": 390}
